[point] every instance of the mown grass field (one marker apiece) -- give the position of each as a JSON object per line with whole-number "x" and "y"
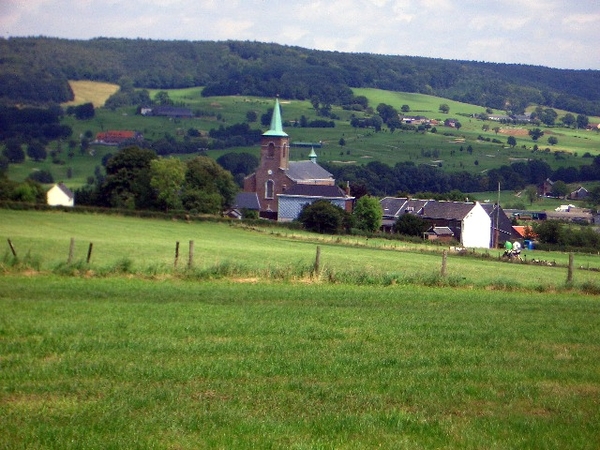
{"x": 248, "y": 350}
{"x": 130, "y": 363}
{"x": 95, "y": 92}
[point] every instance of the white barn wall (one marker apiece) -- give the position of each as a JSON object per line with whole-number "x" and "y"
{"x": 476, "y": 228}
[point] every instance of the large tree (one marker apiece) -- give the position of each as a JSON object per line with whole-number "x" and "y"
{"x": 208, "y": 188}
{"x": 536, "y": 133}
{"x": 13, "y": 151}
{"x": 323, "y": 217}
{"x": 167, "y": 177}
{"x": 127, "y": 182}
{"x": 37, "y": 151}
{"x": 411, "y": 225}
{"x": 368, "y": 214}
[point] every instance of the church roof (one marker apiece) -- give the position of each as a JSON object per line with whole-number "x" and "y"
{"x": 314, "y": 190}
{"x": 276, "y": 128}
{"x": 307, "y": 170}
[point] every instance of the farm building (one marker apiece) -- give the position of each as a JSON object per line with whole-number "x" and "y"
{"x": 469, "y": 222}
{"x": 442, "y": 234}
{"x": 116, "y": 137}
{"x": 579, "y": 193}
{"x": 545, "y": 188}
{"x": 276, "y": 174}
{"x": 60, "y": 195}
{"x": 172, "y": 112}
{"x": 502, "y": 231}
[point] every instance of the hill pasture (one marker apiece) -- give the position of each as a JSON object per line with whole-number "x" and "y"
{"x": 446, "y": 149}
{"x": 128, "y": 352}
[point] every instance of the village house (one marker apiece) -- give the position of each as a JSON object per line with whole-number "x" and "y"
{"x": 544, "y": 189}
{"x": 60, "y": 195}
{"x": 579, "y": 193}
{"x": 277, "y": 175}
{"x": 469, "y": 222}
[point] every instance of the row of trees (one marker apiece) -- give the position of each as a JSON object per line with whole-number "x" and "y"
{"x": 137, "y": 178}
{"x": 324, "y": 217}
{"x": 380, "y": 179}
{"x": 36, "y": 70}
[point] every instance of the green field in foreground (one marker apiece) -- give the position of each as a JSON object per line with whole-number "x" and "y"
{"x": 129, "y": 363}
{"x": 147, "y": 247}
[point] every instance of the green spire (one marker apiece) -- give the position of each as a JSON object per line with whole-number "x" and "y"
{"x": 276, "y": 126}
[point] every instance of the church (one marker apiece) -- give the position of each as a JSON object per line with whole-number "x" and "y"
{"x": 283, "y": 187}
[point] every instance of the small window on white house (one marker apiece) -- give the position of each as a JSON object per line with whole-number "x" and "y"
{"x": 269, "y": 189}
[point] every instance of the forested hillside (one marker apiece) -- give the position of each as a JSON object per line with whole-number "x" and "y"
{"x": 36, "y": 70}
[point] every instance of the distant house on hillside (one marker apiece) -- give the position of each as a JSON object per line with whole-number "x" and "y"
{"x": 579, "y": 194}
{"x": 545, "y": 188}
{"x": 173, "y": 112}
{"x": 60, "y": 195}
{"x": 116, "y": 137}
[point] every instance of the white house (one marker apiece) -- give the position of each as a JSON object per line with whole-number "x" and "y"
{"x": 60, "y": 195}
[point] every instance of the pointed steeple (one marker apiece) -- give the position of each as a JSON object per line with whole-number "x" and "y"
{"x": 312, "y": 155}
{"x": 276, "y": 124}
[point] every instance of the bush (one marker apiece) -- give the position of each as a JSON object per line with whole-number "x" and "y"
{"x": 324, "y": 217}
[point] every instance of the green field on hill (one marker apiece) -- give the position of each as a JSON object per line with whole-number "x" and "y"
{"x": 147, "y": 247}
{"x": 441, "y": 149}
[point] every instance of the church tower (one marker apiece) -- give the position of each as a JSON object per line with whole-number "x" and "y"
{"x": 276, "y": 174}
{"x": 275, "y": 143}
{"x": 271, "y": 175}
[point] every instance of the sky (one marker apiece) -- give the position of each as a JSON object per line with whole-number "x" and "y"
{"x": 552, "y": 33}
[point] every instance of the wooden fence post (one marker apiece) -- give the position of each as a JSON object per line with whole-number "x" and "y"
{"x": 570, "y": 269}
{"x": 12, "y": 248}
{"x": 71, "y": 251}
{"x": 89, "y": 253}
{"x": 191, "y": 255}
{"x": 317, "y": 266}
{"x": 444, "y": 263}
{"x": 176, "y": 254}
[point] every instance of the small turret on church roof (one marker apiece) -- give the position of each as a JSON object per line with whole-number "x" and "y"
{"x": 312, "y": 155}
{"x": 276, "y": 124}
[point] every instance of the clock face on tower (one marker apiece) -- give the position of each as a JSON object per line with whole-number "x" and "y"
{"x": 270, "y": 172}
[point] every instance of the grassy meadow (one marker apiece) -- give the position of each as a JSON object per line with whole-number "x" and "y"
{"x": 248, "y": 349}
{"x": 130, "y": 363}
{"x": 147, "y": 247}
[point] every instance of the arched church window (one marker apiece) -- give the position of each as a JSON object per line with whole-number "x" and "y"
{"x": 271, "y": 151}
{"x": 269, "y": 189}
